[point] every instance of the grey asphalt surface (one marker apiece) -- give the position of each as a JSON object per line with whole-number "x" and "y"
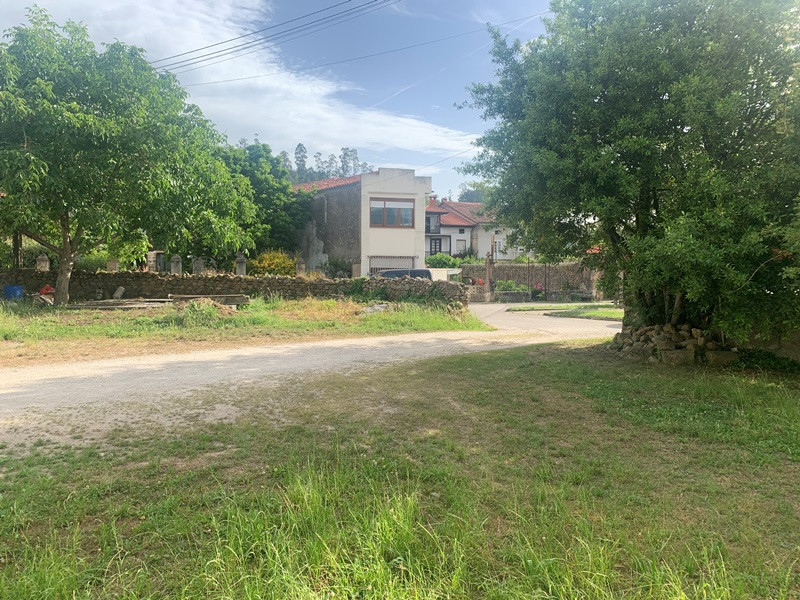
{"x": 157, "y": 378}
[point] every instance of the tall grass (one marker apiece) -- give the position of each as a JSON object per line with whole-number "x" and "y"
{"x": 273, "y": 316}
{"x": 531, "y": 473}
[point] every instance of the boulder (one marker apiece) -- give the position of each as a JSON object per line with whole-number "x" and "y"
{"x": 677, "y": 358}
{"x": 666, "y": 345}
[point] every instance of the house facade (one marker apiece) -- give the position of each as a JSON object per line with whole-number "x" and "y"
{"x": 460, "y": 228}
{"x": 375, "y": 221}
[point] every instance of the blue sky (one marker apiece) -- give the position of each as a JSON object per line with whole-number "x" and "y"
{"x": 396, "y": 109}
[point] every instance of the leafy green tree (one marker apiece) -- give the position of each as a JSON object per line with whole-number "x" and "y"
{"x": 666, "y": 133}
{"x": 300, "y": 162}
{"x": 98, "y": 148}
{"x": 346, "y": 164}
{"x": 474, "y": 191}
{"x": 281, "y": 212}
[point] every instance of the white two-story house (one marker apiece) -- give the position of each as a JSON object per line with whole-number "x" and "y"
{"x": 375, "y": 221}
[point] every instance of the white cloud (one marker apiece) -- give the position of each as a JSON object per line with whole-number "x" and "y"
{"x": 282, "y": 109}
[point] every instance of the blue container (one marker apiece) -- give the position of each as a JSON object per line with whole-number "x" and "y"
{"x": 12, "y": 292}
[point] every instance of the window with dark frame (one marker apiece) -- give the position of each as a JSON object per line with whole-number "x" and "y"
{"x": 388, "y": 212}
{"x": 436, "y": 245}
{"x": 461, "y": 230}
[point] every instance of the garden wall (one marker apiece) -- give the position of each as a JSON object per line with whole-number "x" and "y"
{"x": 92, "y": 286}
{"x": 559, "y": 280}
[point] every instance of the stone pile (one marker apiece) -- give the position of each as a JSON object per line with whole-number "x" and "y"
{"x": 674, "y": 345}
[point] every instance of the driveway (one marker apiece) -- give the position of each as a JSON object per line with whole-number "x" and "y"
{"x": 52, "y": 400}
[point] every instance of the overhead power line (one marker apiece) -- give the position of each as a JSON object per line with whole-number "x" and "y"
{"x": 365, "y": 56}
{"x": 279, "y": 38}
{"x": 233, "y": 39}
{"x": 186, "y": 62}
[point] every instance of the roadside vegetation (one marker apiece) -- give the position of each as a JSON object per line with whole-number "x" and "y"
{"x": 561, "y": 306}
{"x": 37, "y": 331}
{"x": 598, "y": 314}
{"x": 546, "y": 472}
{"x": 600, "y": 311}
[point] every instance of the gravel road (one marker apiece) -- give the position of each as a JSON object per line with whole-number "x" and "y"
{"x": 50, "y": 401}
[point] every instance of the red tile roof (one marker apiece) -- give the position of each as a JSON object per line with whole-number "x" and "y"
{"x": 453, "y": 219}
{"x": 471, "y": 211}
{"x": 326, "y": 184}
{"x": 435, "y": 210}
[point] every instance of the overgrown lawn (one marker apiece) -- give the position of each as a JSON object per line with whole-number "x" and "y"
{"x": 36, "y": 331}
{"x": 543, "y": 472}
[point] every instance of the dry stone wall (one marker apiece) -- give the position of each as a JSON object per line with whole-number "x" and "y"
{"x": 92, "y": 286}
{"x": 674, "y": 345}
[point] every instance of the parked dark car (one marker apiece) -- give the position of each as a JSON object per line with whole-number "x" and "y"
{"x": 393, "y": 273}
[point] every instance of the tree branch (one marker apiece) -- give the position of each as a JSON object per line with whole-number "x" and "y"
{"x": 40, "y": 240}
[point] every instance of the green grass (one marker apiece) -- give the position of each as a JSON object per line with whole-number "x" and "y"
{"x": 560, "y": 306}
{"x": 544, "y": 472}
{"x": 598, "y": 314}
{"x": 196, "y": 320}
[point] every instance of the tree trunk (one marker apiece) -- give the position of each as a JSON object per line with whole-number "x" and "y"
{"x": 66, "y": 262}
{"x": 16, "y": 250}
{"x": 677, "y": 308}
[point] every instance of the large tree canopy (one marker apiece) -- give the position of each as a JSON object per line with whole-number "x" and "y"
{"x": 281, "y": 212}
{"x": 665, "y": 132}
{"x": 97, "y": 147}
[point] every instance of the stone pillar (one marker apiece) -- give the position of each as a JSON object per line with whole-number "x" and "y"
{"x": 151, "y": 261}
{"x": 198, "y": 266}
{"x": 112, "y": 266}
{"x": 356, "y": 269}
{"x": 300, "y": 267}
{"x": 176, "y": 265}
{"x": 161, "y": 265}
{"x": 43, "y": 262}
{"x": 241, "y": 264}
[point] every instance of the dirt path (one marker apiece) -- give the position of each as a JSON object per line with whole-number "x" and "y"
{"x": 85, "y": 400}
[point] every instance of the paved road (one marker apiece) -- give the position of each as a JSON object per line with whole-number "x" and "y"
{"x": 27, "y": 391}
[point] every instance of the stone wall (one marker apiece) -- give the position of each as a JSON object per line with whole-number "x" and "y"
{"x": 674, "y": 345}
{"x": 91, "y": 286}
{"x": 559, "y": 280}
{"x": 334, "y": 229}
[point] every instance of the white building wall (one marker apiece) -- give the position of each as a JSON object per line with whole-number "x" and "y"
{"x": 484, "y": 237}
{"x": 454, "y": 234}
{"x": 401, "y": 184}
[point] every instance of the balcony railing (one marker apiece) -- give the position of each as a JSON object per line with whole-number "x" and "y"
{"x": 434, "y": 228}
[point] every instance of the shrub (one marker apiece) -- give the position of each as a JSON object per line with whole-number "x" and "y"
{"x": 472, "y": 260}
{"x": 442, "y": 261}
{"x": 508, "y": 285}
{"x": 273, "y": 262}
{"x": 337, "y": 268}
{"x": 469, "y": 253}
{"x": 199, "y": 313}
{"x": 92, "y": 262}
